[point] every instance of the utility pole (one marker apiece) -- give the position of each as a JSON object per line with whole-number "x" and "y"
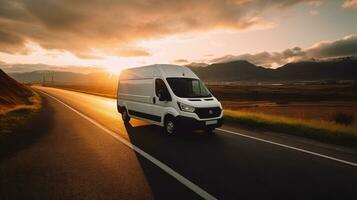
{"x": 53, "y": 73}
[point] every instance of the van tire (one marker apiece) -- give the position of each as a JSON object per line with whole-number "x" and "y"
{"x": 170, "y": 125}
{"x": 125, "y": 115}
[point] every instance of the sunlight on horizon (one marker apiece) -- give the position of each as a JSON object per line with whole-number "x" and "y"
{"x": 114, "y": 70}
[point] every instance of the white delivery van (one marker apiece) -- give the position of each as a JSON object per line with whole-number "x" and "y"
{"x": 168, "y": 95}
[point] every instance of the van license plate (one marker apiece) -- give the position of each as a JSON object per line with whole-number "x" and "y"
{"x": 211, "y": 122}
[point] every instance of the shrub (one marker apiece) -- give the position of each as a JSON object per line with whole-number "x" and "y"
{"x": 343, "y": 118}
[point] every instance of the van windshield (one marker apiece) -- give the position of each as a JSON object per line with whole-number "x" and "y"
{"x": 188, "y": 87}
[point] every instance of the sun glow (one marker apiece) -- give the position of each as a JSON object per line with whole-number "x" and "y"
{"x": 113, "y": 70}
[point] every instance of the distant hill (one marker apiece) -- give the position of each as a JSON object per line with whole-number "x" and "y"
{"x": 233, "y": 71}
{"x": 11, "y": 92}
{"x": 195, "y": 64}
{"x": 60, "y": 77}
{"x": 336, "y": 69}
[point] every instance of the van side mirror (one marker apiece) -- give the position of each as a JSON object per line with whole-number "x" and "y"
{"x": 164, "y": 95}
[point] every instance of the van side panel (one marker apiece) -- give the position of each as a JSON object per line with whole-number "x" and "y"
{"x": 136, "y": 95}
{"x": 136, "y": 90}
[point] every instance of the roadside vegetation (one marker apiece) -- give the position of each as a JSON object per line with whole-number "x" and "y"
{"x": 18, "y": 104}
{"x": 18, "y": 116}
{"x": 329, "y": 131}
{"x": 17, "y": 124}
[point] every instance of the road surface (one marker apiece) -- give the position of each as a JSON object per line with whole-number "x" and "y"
{"x": 86, "y": 152}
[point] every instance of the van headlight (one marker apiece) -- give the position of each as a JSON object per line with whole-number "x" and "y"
{"x": 185, "y": 107}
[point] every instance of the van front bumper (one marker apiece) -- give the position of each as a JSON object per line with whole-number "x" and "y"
{"x": 183, "y": 122}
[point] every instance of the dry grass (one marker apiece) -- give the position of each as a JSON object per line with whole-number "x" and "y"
{"x": 35, "y": 104}
{"x": 318, "y": 129}
{"x": 324, "y": 110}
{"x": 19, "y": 115}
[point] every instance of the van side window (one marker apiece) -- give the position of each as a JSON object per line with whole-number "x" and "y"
{"x": 160, "y": 85}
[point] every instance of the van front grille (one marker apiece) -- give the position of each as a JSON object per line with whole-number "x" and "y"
{"x": 204, "y": 113}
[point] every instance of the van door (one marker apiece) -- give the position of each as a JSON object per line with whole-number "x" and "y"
{"x": 159, "y": 107}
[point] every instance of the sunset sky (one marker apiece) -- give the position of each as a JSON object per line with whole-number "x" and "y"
{"x": 127, "y": 33}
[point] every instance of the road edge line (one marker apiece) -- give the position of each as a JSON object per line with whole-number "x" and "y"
{"x": 195, "y": 188}
{"x": 290, "y": 147}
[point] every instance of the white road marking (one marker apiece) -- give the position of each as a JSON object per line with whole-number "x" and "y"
{"x": 290, "y": 147}
{"x": 195, "y": 188}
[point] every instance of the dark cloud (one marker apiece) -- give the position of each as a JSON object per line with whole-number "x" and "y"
{"x": 322, "y": 50}
{"x": 11, "y": 43}
{"x": 344, "y": 47}
{"x": 79, "y": 26}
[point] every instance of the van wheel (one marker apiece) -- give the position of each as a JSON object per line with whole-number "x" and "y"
{"x": 125, "y": 116}
{"x": 170, "y": 126}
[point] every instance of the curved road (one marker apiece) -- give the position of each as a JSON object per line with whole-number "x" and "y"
{"x": 87, "y": 152}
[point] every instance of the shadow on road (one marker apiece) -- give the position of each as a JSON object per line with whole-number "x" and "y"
{"x": 181, "y": 152}
{"x": 28, "y": 134}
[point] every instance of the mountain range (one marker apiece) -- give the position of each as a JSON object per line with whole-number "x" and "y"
{"x": 61, "y": 77}
{"x": 241, "y": 71}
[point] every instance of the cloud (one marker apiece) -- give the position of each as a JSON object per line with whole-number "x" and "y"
{"x": 350, "y": 4}
{"x": 88, "y": 56}
{"x": 83, "y": 25}
{"x": 315, "y": 3}
{"x": 180, "y": 61}
{"x": 343, "y": 47}
{"x": 314, "y": 12}
{"x": 196, "y": 64}
{"x": 321, "y": 50}
{"x": 266, "y": 59}
{"x": 189, "y": 64}
{"x": 131, "y": 52}
{"x": 11, "y": 43}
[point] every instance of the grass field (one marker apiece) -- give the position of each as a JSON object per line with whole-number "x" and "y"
{"x": 323, "y": 110}
{"x": 328, "y": 131}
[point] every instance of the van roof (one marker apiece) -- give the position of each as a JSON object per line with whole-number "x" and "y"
{"x": 157, "y": 70}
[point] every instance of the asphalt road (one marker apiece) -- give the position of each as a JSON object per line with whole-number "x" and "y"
{"x": 86, "y": 152}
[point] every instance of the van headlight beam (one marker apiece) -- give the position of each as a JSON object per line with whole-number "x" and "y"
{"x": 185, "y": 107}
